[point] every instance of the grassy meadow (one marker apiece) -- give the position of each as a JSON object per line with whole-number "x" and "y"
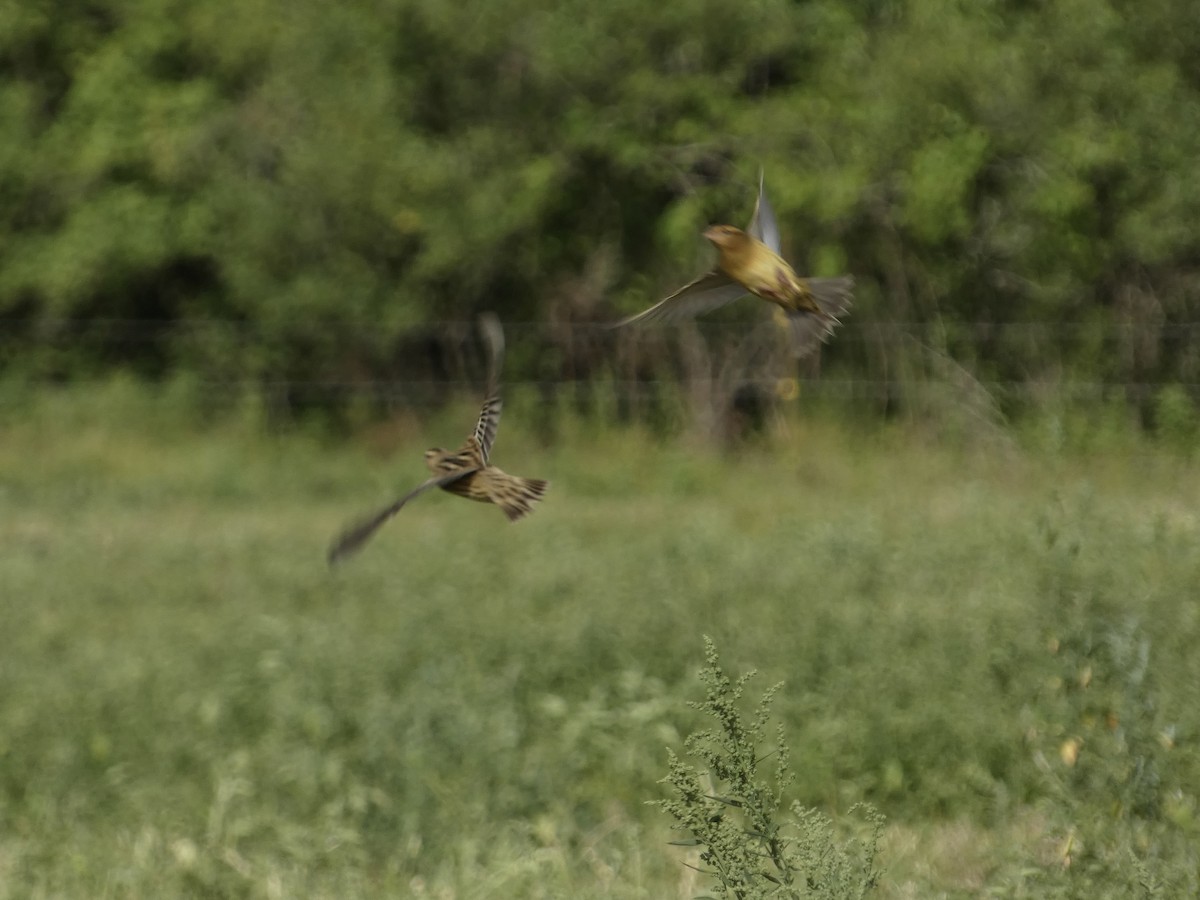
{"x": 993, "y": 641}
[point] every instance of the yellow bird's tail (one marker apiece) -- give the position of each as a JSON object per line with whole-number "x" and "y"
{"x": 833, "y": 297}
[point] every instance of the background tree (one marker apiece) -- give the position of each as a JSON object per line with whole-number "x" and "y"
{"x": 214, "y": 187}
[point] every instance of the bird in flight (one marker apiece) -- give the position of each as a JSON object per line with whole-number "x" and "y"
{"x": 750, "y": 263}
{"x": 467, "y": 471}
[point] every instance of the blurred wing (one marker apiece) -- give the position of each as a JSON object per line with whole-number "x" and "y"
{"x": 762, "y": 224}
{"x": 489, "y": 415}
{"x": 708, "y": 292}
{"x": 353, "y": 539}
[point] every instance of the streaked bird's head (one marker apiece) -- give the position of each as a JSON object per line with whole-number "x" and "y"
{"x": 434, "y": 456}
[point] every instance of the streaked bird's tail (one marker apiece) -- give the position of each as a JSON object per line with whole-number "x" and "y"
{"x": 833, "y": 297}
{"x": 515, "y": 495}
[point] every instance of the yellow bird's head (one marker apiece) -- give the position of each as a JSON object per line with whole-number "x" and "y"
{"x": 726, "y": 237}
{"x": 735, "y": 246}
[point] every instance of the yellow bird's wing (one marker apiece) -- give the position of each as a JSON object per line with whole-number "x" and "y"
{"x": 708, "y": 292}
{"x": 352, "y": 539}
{"x": 762, "y": 225}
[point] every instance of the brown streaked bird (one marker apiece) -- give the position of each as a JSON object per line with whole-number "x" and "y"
{"x": 750, "y": 263}
{"x": 467, "y": 471}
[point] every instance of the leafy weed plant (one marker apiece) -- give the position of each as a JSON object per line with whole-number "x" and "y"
{"x": 732, "y": 813}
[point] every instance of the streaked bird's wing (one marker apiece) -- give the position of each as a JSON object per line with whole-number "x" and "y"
{"x": 706, "y": 293}
{"x": 353, "y": 538}
{"x": 762, "y": 224}
{"x": 489, "y": 415}
{"x": 485, "y": 428}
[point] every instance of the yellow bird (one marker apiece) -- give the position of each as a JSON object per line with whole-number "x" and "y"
{"x": 750, "y": 263}
{"x": 467, "y": 471}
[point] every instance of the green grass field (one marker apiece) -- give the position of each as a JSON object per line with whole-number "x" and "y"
{"x": 994, "y": 644}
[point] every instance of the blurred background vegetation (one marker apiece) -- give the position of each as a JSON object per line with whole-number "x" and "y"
{"x": 312, "y": 206}
{"x": 994, "y": 648}
{"x": 973, "y": 559}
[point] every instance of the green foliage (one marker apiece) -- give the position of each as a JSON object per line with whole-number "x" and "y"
{"x": 1176, "y": 418}
{"x": 1103, "y": 734}
{"x": 271, "y": 200}
{"x": 726, "y": 809}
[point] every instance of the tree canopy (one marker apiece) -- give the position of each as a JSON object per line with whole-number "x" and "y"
{"x": 307, "y": 185}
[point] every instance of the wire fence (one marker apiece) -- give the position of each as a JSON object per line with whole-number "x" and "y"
{"x": 300, "y": 363}
{"x": 134, "y": 329}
